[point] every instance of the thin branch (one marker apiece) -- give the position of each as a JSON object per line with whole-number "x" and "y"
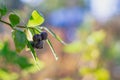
{"x": 6, "y": 23}
{"x": 11, "y": 25}
{"x": 21, "y": 26}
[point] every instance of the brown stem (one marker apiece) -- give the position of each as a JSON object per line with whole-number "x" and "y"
{"x": 11, "y": 25}
{"x": 6, "y": 23}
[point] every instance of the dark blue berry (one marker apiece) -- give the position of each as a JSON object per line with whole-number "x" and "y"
{"x": 44, "y": 35}
{"x": 37, "y": 38}
{"x": 39, "y": 45}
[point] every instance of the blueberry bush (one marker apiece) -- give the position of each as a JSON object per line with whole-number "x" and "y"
{"x": 31, "y": 35}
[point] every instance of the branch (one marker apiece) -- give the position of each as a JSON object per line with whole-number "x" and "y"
{"x": 6, "y": 23}
{"x": 11, "y": 25}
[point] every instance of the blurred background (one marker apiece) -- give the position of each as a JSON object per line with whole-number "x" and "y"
{"x": 90, "y": 27}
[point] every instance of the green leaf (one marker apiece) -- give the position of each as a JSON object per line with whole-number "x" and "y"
{"x": 52, "y": 49}
{"x": 23, "y": 62}
{"x": 8, "y": 54}
{"x": 3, "y": 10}
{"x": 20, "y": 40}
{"x": 12, "y": 57}
{"x": 14, "y": 19}
{"x": 32, "y": 50}
{"x": 54, "y": 35}
{"x": 35, "y": 19}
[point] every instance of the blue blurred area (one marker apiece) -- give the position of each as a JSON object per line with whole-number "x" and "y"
{"x": 102, "y": 11}
{"x": 66, "y": 17}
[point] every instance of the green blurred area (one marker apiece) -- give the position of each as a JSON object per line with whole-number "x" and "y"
{"x": 93, "y": 55}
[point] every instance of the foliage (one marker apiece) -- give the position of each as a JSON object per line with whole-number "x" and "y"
{"x": 35, "y": 19}
{"x": 23, "y": 34}
{"x": 3, "y": 11}
{"x": 14, "y": 19}
{"x": 19, "y": 37}
{"x": 90, "y": 47}
{"x": 12, "y": 57}
{"x": 90, "y": 51}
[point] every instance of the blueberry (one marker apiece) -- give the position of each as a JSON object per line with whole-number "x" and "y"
{"x": 44, "y": 35}
{"x": 37, "y": 38}
{"x": 39, "y": 45}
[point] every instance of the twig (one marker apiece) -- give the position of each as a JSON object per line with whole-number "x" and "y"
{"x": 6, "y": 23}
{"x": 11, "y": 25}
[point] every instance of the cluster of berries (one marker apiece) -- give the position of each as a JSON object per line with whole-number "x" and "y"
{"x": 38, "y": 40}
